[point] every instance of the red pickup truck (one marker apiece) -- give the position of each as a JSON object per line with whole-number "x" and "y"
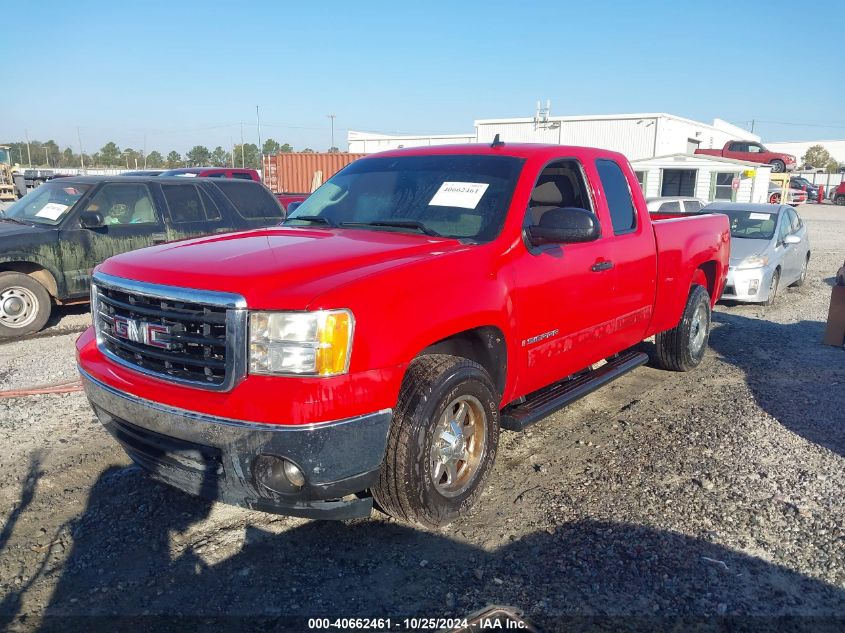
{"x": 755, "y": 153}
{"x": 372, "y": 347}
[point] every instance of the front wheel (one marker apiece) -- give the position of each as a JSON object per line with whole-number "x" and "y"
{"x": 442, "y": 441}
{"x": 683, "y": 347}
{"x": 774, "y": 198}
{"x": 778, "y": 166}
{"x": 24, "y": 305}
{"x": 773, "y": 289}
{"x": 840, "y": 200}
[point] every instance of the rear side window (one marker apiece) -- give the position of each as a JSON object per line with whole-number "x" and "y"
{"x": 692, "y": 205}
{"x": 250, "y": 199}
{"x": 623, "y": 215}
{"x": 189, "y": 204}
{"x": 241, "y": 175}
{"x": 671, "y": 207}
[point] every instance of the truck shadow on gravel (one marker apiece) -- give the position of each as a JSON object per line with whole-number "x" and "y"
{"x": 793, "y": 377}
{"x": 128, "y": 559}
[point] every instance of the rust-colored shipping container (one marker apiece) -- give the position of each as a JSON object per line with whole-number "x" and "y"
{"x": 297, "y": 172}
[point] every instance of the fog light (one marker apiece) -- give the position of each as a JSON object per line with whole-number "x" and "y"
{"x": 753, "y": 286}
{"x": 277, "y": 474}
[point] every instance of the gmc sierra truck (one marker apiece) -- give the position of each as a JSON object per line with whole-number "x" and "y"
{"x": 754, "y": 153}
{"x": 371, "y": 348}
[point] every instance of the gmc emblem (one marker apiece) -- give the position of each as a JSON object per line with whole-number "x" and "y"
{"x": 151, "y": 334}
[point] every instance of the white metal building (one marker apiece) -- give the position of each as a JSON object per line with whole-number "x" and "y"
{"x": 635, "y": 135}
{"x": 369, "y": 142}
{"x": 707, "y": 178}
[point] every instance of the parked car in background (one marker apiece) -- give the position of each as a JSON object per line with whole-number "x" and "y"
{"x": 674, "y": 204}
{"x": 51, "y": 238}
{"x": 289, "y": 198}
{"x": 770, "y": 248}
{"x": 753, "y": 152}
{"x": 793, "y": 196}
{"x": 838, "y": 194}
{"x": 214, "y": 172}
{"x": 143, "y": 172}
{"x": 801, "y": 183}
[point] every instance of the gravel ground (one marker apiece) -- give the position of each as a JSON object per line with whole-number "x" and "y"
{"x": 662, "y": 496}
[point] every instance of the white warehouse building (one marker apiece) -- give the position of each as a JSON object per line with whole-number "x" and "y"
{"x": 634, "y": 135}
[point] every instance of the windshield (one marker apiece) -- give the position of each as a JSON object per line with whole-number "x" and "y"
{"x": 4, "y": 157}
{"x": 47, "y": 204}
{"x": 752, "y": 225}
{"x": 459, "y": 196}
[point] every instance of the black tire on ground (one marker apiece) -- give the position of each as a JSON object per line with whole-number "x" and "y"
{"x": 24, "y": 305}
{"x": 406, "y": 488}
{"x": 773, "y": 288}
{"x": 840, "y": 199}
{"x": 800, "y": 281}
{"x": 778, "y": 166}
{"x": 683, "y": 347}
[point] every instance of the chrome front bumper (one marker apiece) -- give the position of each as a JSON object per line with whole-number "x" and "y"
{"x": 213, "y": 457}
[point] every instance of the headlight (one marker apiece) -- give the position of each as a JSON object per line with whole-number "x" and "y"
{"x": 300, "y": 343}
{"x": 753, "y": 261}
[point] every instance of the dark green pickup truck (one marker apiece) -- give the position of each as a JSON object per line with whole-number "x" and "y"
{"x": 52, "y": 238}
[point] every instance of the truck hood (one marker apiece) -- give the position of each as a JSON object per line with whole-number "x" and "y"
{"x": 10, "y": 229}
{"x": 278, "y": 267}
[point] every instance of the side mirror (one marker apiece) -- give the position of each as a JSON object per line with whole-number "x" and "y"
{"x": 293, "y": 206}
{"x": 565, "y": 225}
{"x": 792, "y": 239}
{"x": 91, "y": 220}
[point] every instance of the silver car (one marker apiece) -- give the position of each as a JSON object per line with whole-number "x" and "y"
{"x": 674, "y": 204}
{"x": 770, "y": 249}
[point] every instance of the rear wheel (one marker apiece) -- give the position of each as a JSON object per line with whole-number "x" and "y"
{"x": 683, "y": 347}
{"x": 778, "y": 166}
{"x": 773, "y": 289}
{"x": 24, "y": 305}
{"x": 442, "y": 442}
{"x": 840, "y": 200}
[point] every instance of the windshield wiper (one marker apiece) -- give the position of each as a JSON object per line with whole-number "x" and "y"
{"x": 401, "y": 224}
{"x": 312, "y": 218}
{"x": 15, "y": 220}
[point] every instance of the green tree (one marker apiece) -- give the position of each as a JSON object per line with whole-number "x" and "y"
{"x": 132, "y": 159}
{"x": 220, "y": 157}
{"x": 308, "y": 150}
{"x": 286, "y": 148}
{"x": 198, "y": 156}
{"x": 69, "y": 159}
{"x": 334, "y": 150}
{"x": 155, "y": 160}
{"x": 52, "y": 153}
{"x": 271, "y": 146}
{"x": 109, "y": 155}
{"x": 816, "y": 156}
{"x": 832, "y": 166}
{"x": 174, "y": 159}
{"x": 251, "y": 157}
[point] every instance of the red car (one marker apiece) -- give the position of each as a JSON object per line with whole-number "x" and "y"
{"x": 839, "y": 194}
{"x": 753, "y": 152}
{"x": 373, "y": 347}
{"x": 214, "y": 172}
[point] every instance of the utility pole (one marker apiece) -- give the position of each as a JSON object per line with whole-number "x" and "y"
{"x": 47, "y": 155}
{"x": 242, "y": 145}
{"x": 332, "y": 116}
{"x": 81, "y": 153}
{"x": 752, "y": 125}
{"x": 28, "y": 155}
{"x": 145, "y": 153}
{"x": 260, "y": 146}
{"x": 232, "y": 153}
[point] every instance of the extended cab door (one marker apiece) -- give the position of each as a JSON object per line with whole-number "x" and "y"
{"x": 561, "y": 291}
{"x": 192, "y": 212}
{"x": 130, "y": 221}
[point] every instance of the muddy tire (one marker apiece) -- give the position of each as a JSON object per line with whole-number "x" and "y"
{"x": 442, "y": 442}
{"x": 24, "y": 305}
{"x": 773, "y": 289}
{"x": 683, "y": 347}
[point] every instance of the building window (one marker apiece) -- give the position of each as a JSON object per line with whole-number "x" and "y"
{"x": 641, "y": 178}
{"x": 722, "y": 189}
{"x": 678, "y": 182}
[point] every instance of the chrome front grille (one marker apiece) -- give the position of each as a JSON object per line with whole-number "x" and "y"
{"x": 176, "y": 334}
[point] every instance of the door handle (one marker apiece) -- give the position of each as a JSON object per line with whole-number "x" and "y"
{"x": 600, "y": 266}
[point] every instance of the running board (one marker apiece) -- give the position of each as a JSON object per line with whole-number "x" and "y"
{"x": 546, "y": 401}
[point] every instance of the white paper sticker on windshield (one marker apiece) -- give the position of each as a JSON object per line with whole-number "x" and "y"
{"x": 51, "y": 211}
{"x": 187, "y": 175}
{"x": 759, "y": 216}
{"x": 466, "y": 195}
